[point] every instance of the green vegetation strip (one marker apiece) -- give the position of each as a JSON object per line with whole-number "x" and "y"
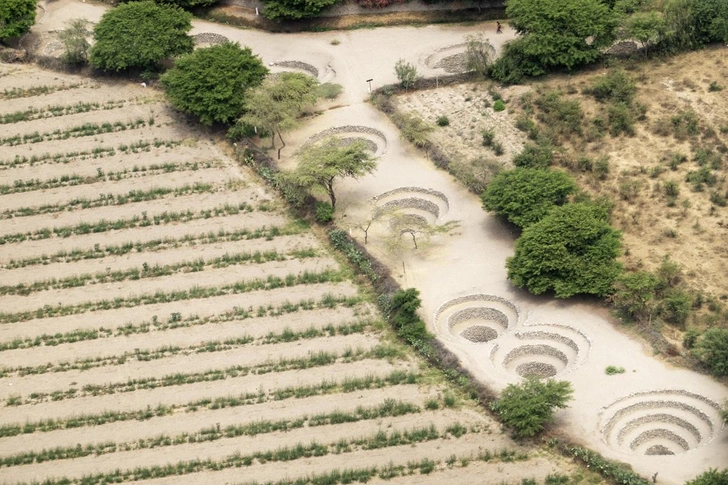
{"x": 86, "y": 129}
{"x": 98, "y": 152}
{"x": 136, "y": 221}
{"x": 14, "y": 93}
{"x": 176, "y": 321}
{"x": 20, "y": 186}
{"x": 389, "y": 408}
{"x": 325, "y": 387}
{"x": 197, "y": 292}
{"x": 319, "y": 359}
{"x": 378, "y": 440}
{"x": 287, "y": 335}
{"x": 31, "y": 114}
{"x": 188, "y": 240}
{"x": 133, "y": 196}
{"x": 387, "y": 472}
{"x": 147, "y": 271}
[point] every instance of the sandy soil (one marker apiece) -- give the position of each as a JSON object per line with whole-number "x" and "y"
{"x": 469, "y": 260}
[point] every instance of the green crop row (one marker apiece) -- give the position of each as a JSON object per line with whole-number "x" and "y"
{"x": 57, "y": 110}
{"x": 136, "y": 221}
{"x": 197, "y": 292}
{"x": 325, "y": 387}
{"x": 86, "y": 129}
{"x": 389, "y": 408}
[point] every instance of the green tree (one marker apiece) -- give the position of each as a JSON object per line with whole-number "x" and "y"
{"x": 711, "y": 18}
{"x": 647, "y": 27}
{"x": 525, "y": 195}
{"x": 634, "y": 294}
{"x": 571, "y": 251}
{"x": 321, "y": 164}
{"x": 16, "y": 18}
{"x": 712, "y": 350}
{"x": 277, "y": 104}
{"x": 294, "y": 9}
{"x": 406, "y": 73}
{"x": 711, "y": 477}
{"x": 74, "y": 41}
{"x": 478, "y": 54}
{"x": 140, "y": 35}
{"x": 211, "y": 83}
{"x": 555, "y": 34}
{"x": 189, "y": 4}
{"x": 528, "y": 407}
{"x": 403, "y": 314}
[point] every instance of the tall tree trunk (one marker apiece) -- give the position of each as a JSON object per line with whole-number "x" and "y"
{"x": 330, "y": 190}
{"x": 283, "y": 146}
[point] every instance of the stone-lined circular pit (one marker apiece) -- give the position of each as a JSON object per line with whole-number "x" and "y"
{"x": 476, "y": 319}
{"x": 666, "y": 422}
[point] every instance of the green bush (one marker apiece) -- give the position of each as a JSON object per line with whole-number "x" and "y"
{"x": 488, "y": 137}
{"x": 534, "y": 155}
{"x": 712, "y": 350}
{"x": 711, "y": 477}
{"x": 571, "y": 251}
{"x": 324, "y": 213}
{"x": 443, "y": 121}
{"x": 528, "y": 407}
{"x": 499, "y": 105}
{"x": 613, "y": 370}
{"x": 16, "y": 18}
{"x": 634, "y": 294}
{"x": 329, "y": 90}
{"x": 561, "y": 116}
{"x": 525, "y": 195}
{"x": 621, "y": 120}
{"x": 615, "y": 86}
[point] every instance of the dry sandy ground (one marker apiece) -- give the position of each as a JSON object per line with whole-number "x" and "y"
{"x": 652, "y": 408}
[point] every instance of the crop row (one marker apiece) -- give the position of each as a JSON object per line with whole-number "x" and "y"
{"x": 98, "y": 152}
{"x": 380, "y": 439}
{"x": 287, "y": 335}
{"x": 98, "y": 251}
{"x": 389, "y": 408}
{"x": 86, "y": 129}
{"x": 318, "y": 359}
{"x": 177, "y": 321}
{"x": 198, "y": 292}
{"x": 325, "y": 387}
{"x": 14, "y": 93}
{"x": 20, "y": 186}
{"x": 391, "y": 470}
{"x": 136, "y": 221}
{"x": 154, "y": 271}
{"x": 31, "y": 114}
{"x": 133, "y": 196}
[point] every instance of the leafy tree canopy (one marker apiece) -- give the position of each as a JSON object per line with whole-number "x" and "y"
{"x": 571, "y": 251}
{"x": 525, "y": 195}
{"x": 140, "y": 35}
{"x": 712, "y": 350}
{"x": 555, "y": 34}
{"x": 294, "y": 9}
{"x": 528, "y": 407}
{"x": 278, "y": 103}
{"x": 322, "y": 163}
{"x": 711, "y": 477}
{"x": 16, "y": 17}
{"x": 211, "y": 83}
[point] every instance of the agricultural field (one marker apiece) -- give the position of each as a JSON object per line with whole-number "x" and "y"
{"x": 163, "y": 320}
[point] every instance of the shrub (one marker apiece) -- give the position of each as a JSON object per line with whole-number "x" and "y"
{"x": 294, "y": 9}
{"x": 443, "y": 121}
{"x": 700, "y": 178}
{"x": 615, "y": 86}
{"x": 562, "y": 116}
{"x": 535, "y": 156}
{"x": 613, "y": 370}
{"x": 140, "y": 35}
{"x": 74, "y": 40}
{"x": 571, "y": 251}
{"x": 712, "y": 350}
{"x": 16, "y": 18}
{"x": 211, "y": 83}
{"x": 329, "y": 90}
{"x": 406, "y": 73}
{"x": 488, "y": 137}
{"x": 675, "y": 307}
{"x": 634, "y": 294}
{"x": 711, "y": 477}
{"x": 499, "y": 105}
{"x": 413, "y": 129}
{"x": 528, "y": 407}
{"x": 525, "y": 195}
{"x": 621, "y": 120}
{"x": 324, "y": 213}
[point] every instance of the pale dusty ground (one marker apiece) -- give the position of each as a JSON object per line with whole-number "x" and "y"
{"x": 467, "y": 261}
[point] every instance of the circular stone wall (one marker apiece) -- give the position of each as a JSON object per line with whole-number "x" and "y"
{"x": 428, "y": 204}
{"x": 544, "y": 350}
{"x": 375, "y": 140}
{"x": 665, "y": 422}
{"x": 476, "y": 319}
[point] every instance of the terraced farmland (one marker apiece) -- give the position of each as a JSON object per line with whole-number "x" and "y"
{"x": 162, "y": 320}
